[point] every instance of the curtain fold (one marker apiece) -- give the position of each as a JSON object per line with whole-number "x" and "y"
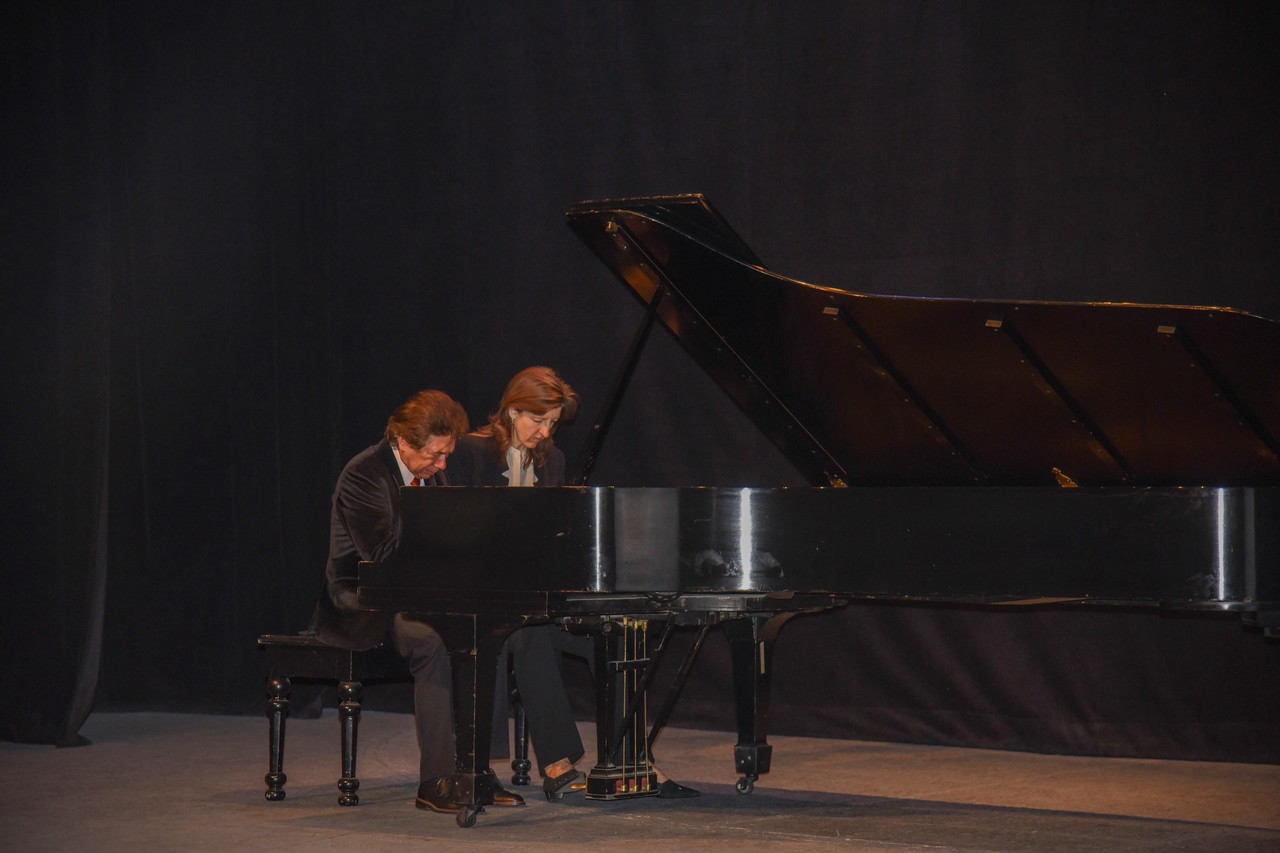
{"x": 57, "y": 250}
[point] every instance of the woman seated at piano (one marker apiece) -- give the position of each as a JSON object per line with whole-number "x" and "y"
{"x": 516, "y": 448}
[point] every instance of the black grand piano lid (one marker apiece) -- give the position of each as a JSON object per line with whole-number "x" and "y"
{"x": 863, "y": 389}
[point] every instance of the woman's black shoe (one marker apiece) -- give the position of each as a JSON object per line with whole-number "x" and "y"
{"x": 555, "y": 787}
{"x": 673, "y": 790}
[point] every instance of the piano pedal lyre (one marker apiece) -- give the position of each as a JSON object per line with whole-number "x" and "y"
{"x": 624, "y": 767}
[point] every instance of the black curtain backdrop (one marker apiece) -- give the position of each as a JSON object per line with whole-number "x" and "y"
{"x": 235, "y": 236}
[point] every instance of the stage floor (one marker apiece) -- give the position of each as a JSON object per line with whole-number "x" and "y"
{"x": 184, "y": 782}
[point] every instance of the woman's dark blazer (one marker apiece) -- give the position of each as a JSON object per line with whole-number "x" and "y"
{"x": 476, "y": 462}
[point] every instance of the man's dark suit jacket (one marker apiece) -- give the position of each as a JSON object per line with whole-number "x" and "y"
{"x": 476, "y": 462}
{"x": 363, "y": 525}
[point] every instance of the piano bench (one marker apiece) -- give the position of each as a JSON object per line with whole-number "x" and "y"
{"x": 305, "y": 657}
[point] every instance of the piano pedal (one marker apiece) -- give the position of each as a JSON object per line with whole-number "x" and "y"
{"x": 620, "y": 783}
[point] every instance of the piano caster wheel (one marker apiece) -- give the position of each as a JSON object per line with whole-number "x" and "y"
{"x": 467, "y": 817}
{"x": 746, "y": 784}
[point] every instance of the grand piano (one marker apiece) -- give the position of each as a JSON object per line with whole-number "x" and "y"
{"x": 990, "y": 453}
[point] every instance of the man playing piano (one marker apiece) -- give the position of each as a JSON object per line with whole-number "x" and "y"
{"x": 363, "y": 525}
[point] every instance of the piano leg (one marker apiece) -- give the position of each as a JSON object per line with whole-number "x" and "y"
{"x": 474, "y": 644}
{"x": 751, "y": 651}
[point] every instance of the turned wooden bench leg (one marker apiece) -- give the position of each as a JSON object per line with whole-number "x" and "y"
{"x": 304, "y": 657}
{"x": 520, "y": 763}
{"x": 349, "y": 718}
{"x": 277, "y": 713}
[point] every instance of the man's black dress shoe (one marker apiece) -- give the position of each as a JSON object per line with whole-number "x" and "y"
{"x": 437, "y": 795}
{"x": 501, "y": 796}
{"x": 673, "y": 790}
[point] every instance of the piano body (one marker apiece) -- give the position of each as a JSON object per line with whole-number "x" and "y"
{"x": 981, "y": 452}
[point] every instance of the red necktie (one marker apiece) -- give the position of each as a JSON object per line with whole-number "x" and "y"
{"x": 417, "y": 481}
